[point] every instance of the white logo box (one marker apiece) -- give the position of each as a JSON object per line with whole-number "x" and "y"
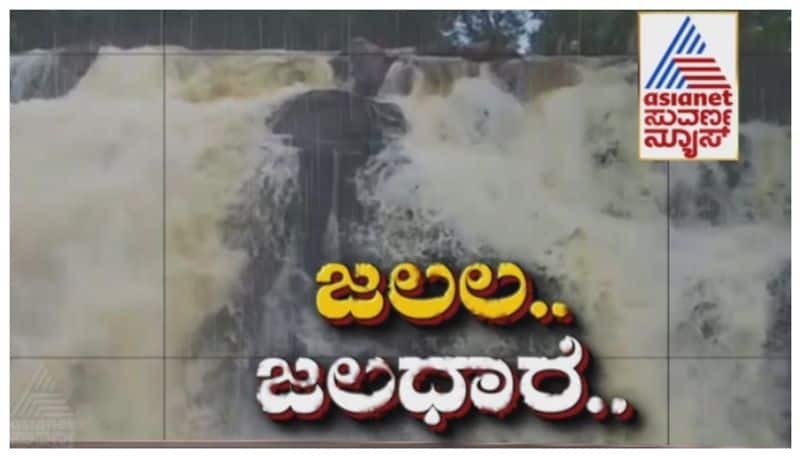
{"x": 688, "y": 56}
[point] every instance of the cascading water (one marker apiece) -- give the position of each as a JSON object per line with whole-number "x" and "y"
{"x": 459, "y": 162}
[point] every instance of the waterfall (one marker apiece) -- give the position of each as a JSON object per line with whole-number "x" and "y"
{"x": 532, "y": 160}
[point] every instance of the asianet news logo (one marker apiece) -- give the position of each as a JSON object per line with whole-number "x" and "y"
{"x": 688, "y": 94}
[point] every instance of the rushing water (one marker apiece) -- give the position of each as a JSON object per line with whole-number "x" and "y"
{"x": 542, "y": 170}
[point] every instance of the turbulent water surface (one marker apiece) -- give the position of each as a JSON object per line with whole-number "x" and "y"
{"x": 190, "y": 180}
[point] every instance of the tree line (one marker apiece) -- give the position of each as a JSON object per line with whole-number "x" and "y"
{"x": 524, "y": 32}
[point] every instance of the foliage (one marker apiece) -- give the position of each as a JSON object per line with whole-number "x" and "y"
{"x": 550, "y": 32}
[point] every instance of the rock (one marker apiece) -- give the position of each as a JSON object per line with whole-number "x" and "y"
{"x": 335, "y": 132}
{"x": 433, "y": 75}
{"x": 481, "y": 51}
{"x": 528, "y": 78}
{"x": 399, "y": 79}
{"x": 362, "y": 66}
{"x": 487, "y": 51}
{"x": 49, "y": 74}
{"x": 779, "y": 336}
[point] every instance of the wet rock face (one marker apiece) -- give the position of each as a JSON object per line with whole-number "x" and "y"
{"x": 527, "y": 78}
{"x": 751, "y": 190}
{"x": 427, "y": 75}
{"x": 524, "y": 78}
{"x": 480, "y": 51}
{"x": 399, "y": 78}
{"x": 285, "y": 228}
{"x": 320, "y": 116}
{"x": 779, "y": 337}
{"x": 335, "y": 133}
{"x": 367, "y": 69}
{"x": 49, "y": 74}
{"x": 363, "y": 65}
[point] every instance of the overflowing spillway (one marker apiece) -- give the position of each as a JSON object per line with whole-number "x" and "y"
{"x": 187, "y": 179}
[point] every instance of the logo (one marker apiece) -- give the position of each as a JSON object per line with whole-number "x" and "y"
{"x": 41, "y": 415}
{"x": 688, "y": 86}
